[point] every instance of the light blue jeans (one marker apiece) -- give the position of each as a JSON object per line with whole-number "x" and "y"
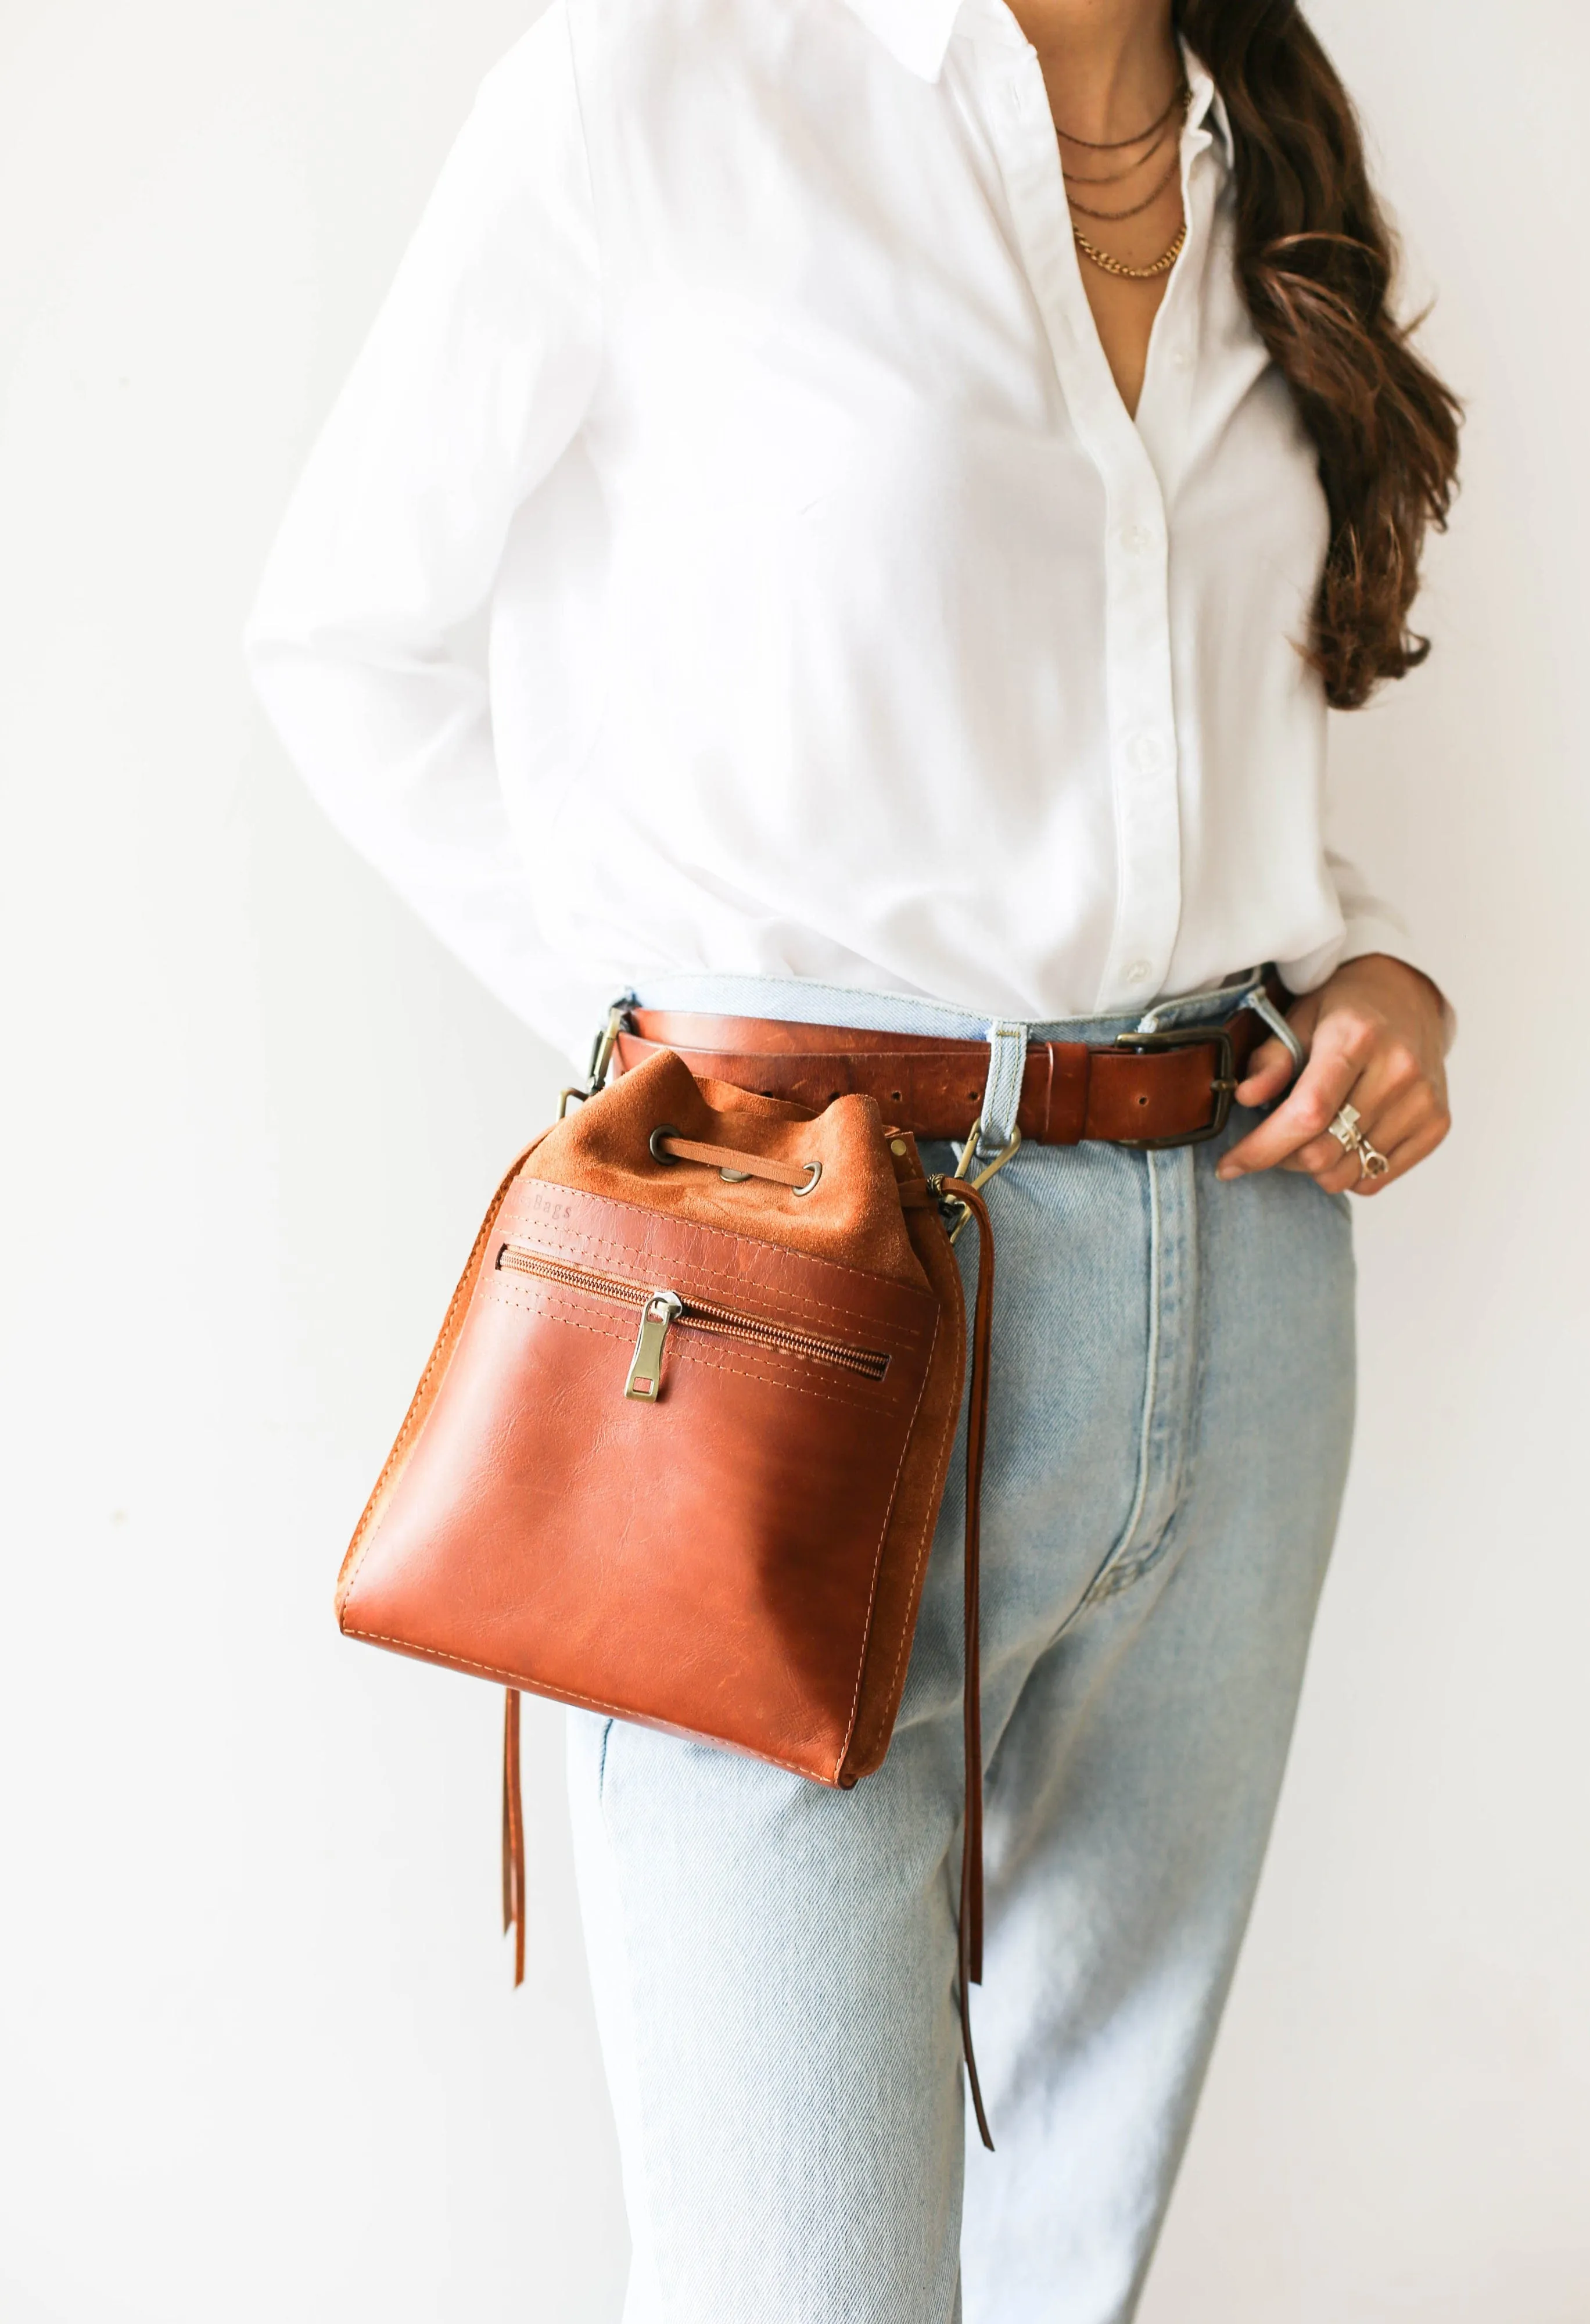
{"x": 774, "y": 1963}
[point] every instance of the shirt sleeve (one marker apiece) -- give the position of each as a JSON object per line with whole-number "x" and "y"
{"x": 1369, "y": 923}
{"x": 474, "y": 379}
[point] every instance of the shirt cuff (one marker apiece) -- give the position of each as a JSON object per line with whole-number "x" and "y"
{"x": 1362, "y": 934}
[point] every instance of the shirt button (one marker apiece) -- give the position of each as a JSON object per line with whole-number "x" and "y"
{"x": 1182, "y": 359}
{"x": 1139, "y": 972}
{"x": 1137, "y": 540}
{"x": 1148, "y": 753}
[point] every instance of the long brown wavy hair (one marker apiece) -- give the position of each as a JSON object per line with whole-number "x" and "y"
{"x": 1316, "y": 259}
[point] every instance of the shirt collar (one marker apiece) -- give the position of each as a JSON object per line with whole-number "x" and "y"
{"x": 1206, "y": 115}
{"x": 917, "y": 32}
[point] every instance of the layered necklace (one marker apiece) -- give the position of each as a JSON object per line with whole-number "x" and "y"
{"x": 1152, "y": 141}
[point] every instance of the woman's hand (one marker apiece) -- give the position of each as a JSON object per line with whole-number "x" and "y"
{"x": 1375, "y": 1038}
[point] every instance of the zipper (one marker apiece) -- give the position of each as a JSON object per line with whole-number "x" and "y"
{"x": 660, "y": 1310}
{"x": 645, "y": 1365}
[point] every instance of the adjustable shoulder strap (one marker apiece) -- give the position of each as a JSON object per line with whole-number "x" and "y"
{"x": 977, "y": 1431}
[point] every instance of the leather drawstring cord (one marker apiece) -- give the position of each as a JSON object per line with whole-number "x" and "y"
{"x": 513, "y": 1835}
{"x": 970, "y": 1942}
{"x": 977, "y": 1432}
{"x": 800, "y": 1177}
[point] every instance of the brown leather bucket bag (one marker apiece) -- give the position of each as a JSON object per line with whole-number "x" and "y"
{"x": 680, "y": 1447}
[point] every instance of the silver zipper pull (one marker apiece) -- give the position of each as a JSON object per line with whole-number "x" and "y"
{"x": 645, "y": 1365}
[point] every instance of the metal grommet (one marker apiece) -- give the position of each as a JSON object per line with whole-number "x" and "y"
{"x": 810, "y": 1186}
{"x": 664, "y": 1130}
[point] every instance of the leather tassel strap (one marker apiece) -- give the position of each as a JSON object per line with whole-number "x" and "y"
{"x": 513, "y": 1835}
{"x": 970, "y": 1943}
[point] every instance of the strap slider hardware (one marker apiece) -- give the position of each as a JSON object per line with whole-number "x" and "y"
{"x": 983, "y": 1175}
{"x": 601, "y": 1050}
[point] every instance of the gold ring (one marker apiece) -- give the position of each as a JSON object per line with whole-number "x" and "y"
{"x": 1345, "y": 1132}
{"x": 1372, "y": 1162}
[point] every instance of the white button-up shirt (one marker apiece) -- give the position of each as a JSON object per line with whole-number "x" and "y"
{"x": 843, "y": 622}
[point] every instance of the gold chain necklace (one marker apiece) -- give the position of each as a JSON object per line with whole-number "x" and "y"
{"x": 1116, "y": 177}
{"x": 1178, "y": 95}
{"x": 1137, "y": 208}
{"x": 1101, "y": 258}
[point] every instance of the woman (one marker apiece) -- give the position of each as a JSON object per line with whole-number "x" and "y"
{"x": 931, "y": 467}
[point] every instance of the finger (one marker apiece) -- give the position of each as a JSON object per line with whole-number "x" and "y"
{"x": 1404, "y": 1158}
{"x": 1317, "y": 1097}
{"x": 1408, "y": 1118}
{"x": 1269, "y": 1070}
{"x": 1336, "y": 1170}
{"x": 1392, "y": 1075}
{"x": 1393, "y": 1104}
{"x": 1321, "y": 1157}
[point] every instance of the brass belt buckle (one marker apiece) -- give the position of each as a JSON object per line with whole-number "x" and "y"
{"x": 1223, "y": 1086}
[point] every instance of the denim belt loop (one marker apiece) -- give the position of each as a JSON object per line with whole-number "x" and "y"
{"x": 1007, "y": 1059}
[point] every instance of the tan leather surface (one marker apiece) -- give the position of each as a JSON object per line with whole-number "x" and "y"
{"x": 603, "y": 1147}
{"x": 935, "y": 1087}
{"x": 430, "y": 1381}
{"x": 513, "y": 1834}
{"x": 743, "y": 1559}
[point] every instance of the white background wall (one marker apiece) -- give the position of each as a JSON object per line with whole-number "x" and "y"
{"x": 259, "y": 2055}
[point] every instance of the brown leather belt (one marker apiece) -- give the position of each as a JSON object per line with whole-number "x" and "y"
{"x": 1171, "y": 1088}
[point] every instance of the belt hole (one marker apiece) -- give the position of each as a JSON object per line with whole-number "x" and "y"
{"x": 894, "y": 1097}
{"x": 1141, "y": 1100}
